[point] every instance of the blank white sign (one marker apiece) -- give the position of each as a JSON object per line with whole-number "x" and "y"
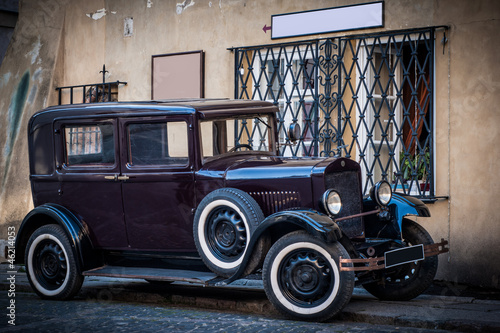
{"x": 362, "y": 16}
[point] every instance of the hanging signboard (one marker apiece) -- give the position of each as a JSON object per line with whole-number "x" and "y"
{"x": 363, "y": 16}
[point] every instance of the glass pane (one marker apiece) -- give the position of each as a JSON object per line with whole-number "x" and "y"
{"x": 158, "y": 144}
{"x": 89, "y": 144}
{"x": 383, "y": 71}
{"x": 221, "y": 136}
{"x": 383, "y": 124}
{"x": 383, "y": 166}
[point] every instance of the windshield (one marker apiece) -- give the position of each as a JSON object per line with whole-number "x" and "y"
{"x": 234, "y": 135}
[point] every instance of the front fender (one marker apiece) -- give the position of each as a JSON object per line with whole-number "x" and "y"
{"x": 316, "y": 224}
{"x": 402, "y": 205}
{"x": 75, "y": 231}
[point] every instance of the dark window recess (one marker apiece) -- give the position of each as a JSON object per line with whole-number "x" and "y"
{"x": 90, "y": 93}
{"x": 365, "y": 97}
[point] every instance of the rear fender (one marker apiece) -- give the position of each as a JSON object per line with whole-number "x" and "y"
{"x": 316, "y": 224}
{"x": 75, "y": 231}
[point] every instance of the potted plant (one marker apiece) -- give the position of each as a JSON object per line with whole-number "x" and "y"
{"x": 415, "y": 164}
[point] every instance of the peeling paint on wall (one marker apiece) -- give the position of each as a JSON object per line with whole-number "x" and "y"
{"x": 98, "y": 14}
{"x": 15, "y": 113}
{"x": 35, "y": 51}
{"x": 37, "y": 77}
{"x": 128, "y": 26}
{"x": 181, "y": 7}
{"x": 4, "y": 79}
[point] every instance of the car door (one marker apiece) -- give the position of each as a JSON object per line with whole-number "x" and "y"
{"x": 158, "y": 185}
{"x": 88, "y": 167}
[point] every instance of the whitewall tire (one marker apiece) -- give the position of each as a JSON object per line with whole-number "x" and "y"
{"x": 50, "y": 264}
{"x": 302, "y": 278}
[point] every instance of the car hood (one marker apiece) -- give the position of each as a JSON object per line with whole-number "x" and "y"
{"x": 250, "y": 167}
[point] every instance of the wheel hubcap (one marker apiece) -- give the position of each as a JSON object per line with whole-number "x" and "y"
{"x": 50, "y": 265}
{"x": 306, "y": 277}
{"x": 225, "y": 234}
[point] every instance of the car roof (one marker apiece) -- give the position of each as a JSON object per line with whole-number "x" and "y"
{"x": 204, "y": 108}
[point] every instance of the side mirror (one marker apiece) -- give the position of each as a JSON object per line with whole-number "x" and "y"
{"x": 294, "y": 132}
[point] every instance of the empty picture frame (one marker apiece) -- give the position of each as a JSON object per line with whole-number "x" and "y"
{"x": 178, "y": 75}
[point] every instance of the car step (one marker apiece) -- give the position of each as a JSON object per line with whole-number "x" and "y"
{"x": 155, "y": 274}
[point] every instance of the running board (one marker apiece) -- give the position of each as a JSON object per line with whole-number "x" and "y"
{"x": 156, "y": 274}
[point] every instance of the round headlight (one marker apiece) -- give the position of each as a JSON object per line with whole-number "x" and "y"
{"x": 332, "y": 202}
{"x": 381, "y": 193}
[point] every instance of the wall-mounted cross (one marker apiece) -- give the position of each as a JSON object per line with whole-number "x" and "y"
{"x": 104, "y": 71}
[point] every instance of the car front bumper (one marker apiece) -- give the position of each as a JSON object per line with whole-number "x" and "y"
{"x": 376, "y": 263}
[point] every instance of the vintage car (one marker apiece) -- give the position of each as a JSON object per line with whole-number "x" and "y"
{"x": 171, "y": 190}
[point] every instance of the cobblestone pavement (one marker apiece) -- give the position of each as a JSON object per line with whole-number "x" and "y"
{"x": 118, "y": 305}
{"x": 89, "y": 315}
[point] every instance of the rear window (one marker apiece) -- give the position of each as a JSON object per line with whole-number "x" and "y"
{"x": 91, "y": 144}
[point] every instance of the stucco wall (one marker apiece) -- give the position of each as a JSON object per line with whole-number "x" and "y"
{"x": 26, "y": 82}
{"x": 74, "y": 46}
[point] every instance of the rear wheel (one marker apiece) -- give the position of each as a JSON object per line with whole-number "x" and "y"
{"x": 50, "y": 264}
{"x": 408, "y": 280}
{"x": 302, "y": 278}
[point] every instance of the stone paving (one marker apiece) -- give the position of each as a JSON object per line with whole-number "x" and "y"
{"x": 242, "y": 298}
{"x": 88, "y": 315}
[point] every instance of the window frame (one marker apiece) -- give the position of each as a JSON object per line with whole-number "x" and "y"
{"x": 61, "y": 147}
{"x": 270, "y": 134}
{"x": 125, "y": 153}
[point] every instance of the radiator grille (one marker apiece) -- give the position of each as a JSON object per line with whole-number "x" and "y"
{"x": 275, "y": 201}
{"x": 347, "y": 185}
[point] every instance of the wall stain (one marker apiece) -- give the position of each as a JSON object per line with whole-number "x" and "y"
{"x": 16, "y": 108}
{"x": 181, "y": 7}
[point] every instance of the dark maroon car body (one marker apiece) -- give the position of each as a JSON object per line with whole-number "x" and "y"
{"x": 103, "y": 205}
{"x": 118, "y": 212}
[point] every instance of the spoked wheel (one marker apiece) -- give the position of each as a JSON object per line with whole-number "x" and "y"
{"x": 302, "y": 278}
{"x": 51, "y": 265}
{"x": 223, "y": 224}
{"x": 408, "y": 280}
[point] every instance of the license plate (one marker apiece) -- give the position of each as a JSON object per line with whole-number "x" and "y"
{"x": 404, "y": 255}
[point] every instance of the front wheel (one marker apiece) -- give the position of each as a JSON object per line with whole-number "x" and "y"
{"x": 302, "y": 278}
{"x": 223, "y": 225}
{"x": 408, "y": 280}
{"x": 50, "y": 264}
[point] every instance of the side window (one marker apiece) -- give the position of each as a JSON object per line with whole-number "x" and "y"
{"x": 157, "y": 144}
{"x": 89, "y": 144}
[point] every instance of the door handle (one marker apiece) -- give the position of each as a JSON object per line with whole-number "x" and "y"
{"x": 117, "y": 178}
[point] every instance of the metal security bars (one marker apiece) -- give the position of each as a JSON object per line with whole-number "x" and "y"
{"x": 365, "y": 97}
{"x": 90, "y": 93}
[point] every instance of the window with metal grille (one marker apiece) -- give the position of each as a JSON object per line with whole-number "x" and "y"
{"x": 368, "y": 98}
